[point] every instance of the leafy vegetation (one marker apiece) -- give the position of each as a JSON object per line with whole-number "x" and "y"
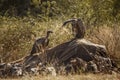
{"x": 91, "y": 11}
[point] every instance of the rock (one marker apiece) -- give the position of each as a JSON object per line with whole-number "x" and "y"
{"x": 76, "y": 48}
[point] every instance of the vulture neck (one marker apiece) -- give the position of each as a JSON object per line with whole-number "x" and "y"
{"x": 47, "y": 35}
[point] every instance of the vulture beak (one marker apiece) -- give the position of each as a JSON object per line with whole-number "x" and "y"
{"x": 69, "y": 21}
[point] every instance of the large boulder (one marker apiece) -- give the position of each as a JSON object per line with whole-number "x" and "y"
{"x": 75, "y": 48}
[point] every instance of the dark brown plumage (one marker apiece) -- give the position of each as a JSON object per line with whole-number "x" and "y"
{"x": 77, "y": 27}
{"x": 41, "y": 44}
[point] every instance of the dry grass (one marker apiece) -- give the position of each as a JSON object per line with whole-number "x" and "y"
{"x": 71, "y": 77}
{"x": 108, "y": 36}
{"x": 18, "y": 36}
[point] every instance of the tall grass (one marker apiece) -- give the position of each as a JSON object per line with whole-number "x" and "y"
{"x": 108, "y": 36}
{"x": 73, "y": 77}
{"x": 19, "y": 34}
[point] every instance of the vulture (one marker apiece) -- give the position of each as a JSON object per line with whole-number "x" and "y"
{"x": 41, "y": 44}
{"x": 77, "y": 27}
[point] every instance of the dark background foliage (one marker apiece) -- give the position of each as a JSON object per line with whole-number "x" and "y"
{"x": 90, "y": 10}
